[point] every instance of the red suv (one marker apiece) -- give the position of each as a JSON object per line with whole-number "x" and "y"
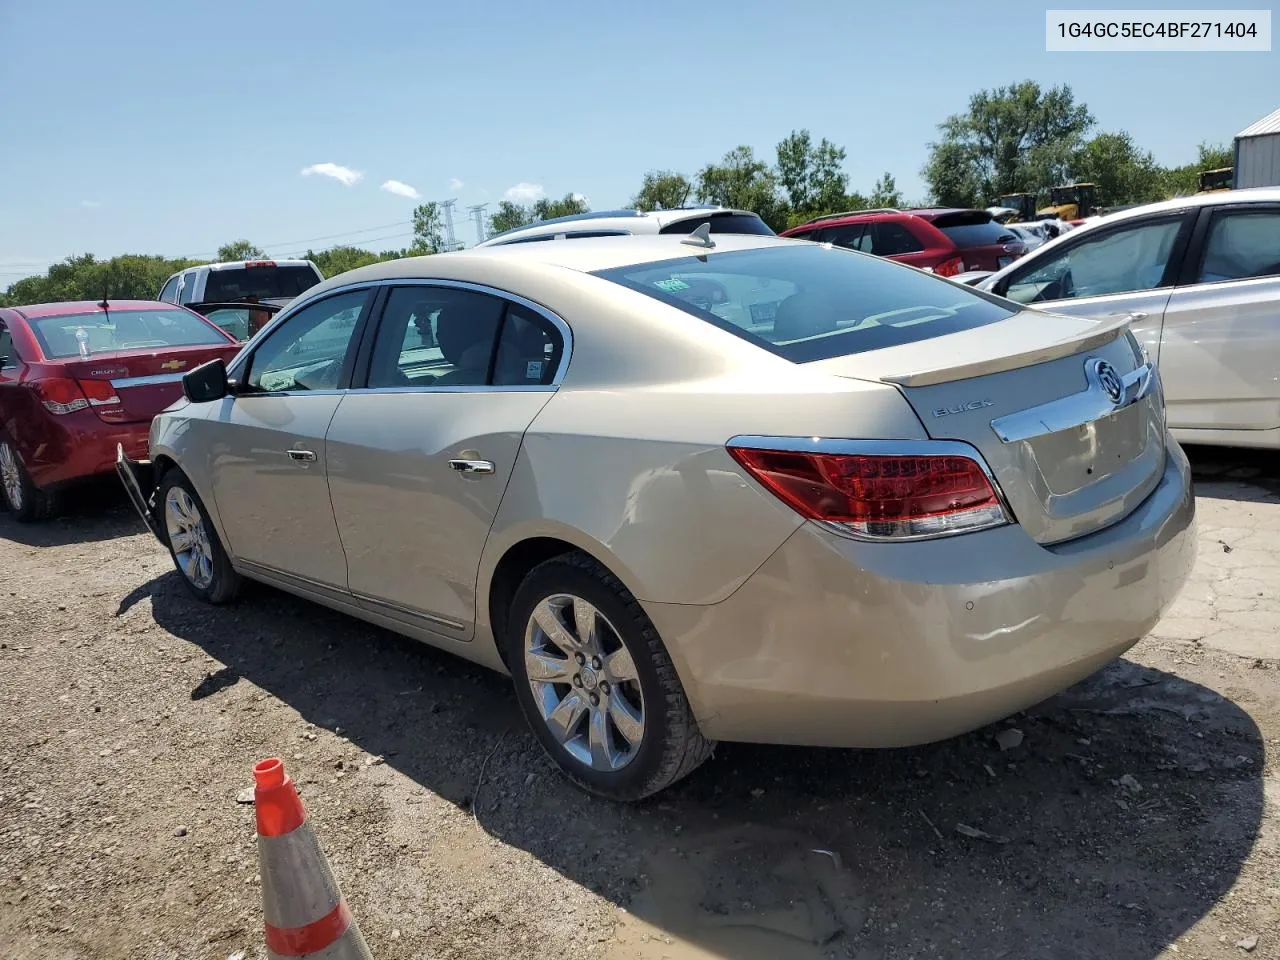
{"x": 945, "y": 241}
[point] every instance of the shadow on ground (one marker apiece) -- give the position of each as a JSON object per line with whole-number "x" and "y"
{"x": 88, "y": 514}
{"x": 1120, "y": 819}
{"x": 1246, "y": 475}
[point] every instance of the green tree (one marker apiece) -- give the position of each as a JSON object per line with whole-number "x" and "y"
{"x": 428, "y": 236}
{"x": 511, "y": 215}
{"x": 1184, "y": 181}
{"x": 338, "y": 260}
{"x": 83, "y": 277}
{"x": 567, "y": 206}
{"x": 885, "y": 193}
{"x": 1012, "y": 138}
{"x": 811, "y": 176}
{"x": 741, "y": 180}
{"x": 662, "y": 190}
{"x": 239, "y": 250}
{"x": 508, "y": 216}
{"x": 1123, "y": 173}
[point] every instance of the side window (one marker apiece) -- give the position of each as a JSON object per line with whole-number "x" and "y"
{"x": 1242, "y": 245}
{"x": 889, "y": 239}
{"x": 187, "y": 287}
{"x": 8, "y": 353}
{"x": 435, "y": 337}
{"x": 855, "y": 236}
{"x": 170, "y": 292}
{"x": 307, "y": 351}
{"x": 801, "y": 235}
{"x": 529, "y": 350}
{"x": 1119, "y": 261}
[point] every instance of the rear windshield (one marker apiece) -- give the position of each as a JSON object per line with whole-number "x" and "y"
{"x": 973, "y": 229}
{"x": 722, "y": 223}
{"x": 84, "y": 334}
{"x": 810, "y": 302}
{"x": 265, "y": 283}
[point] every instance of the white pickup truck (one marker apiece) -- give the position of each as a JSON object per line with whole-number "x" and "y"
{"x": 217, "y": 289}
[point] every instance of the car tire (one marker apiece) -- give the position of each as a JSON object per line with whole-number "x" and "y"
{"x": 22, "y": 498}
{"x": 199, "y": 558}
{"x": 628, "y": 671}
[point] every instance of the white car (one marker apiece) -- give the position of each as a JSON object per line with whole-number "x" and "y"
{"x": 1199, "y": 277}
{"x": 268, "y": 281}
{"x": 621, "y": 223}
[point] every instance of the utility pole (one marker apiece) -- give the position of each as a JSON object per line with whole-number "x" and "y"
{"x": 477, "y": 215}
{"x": 450, "y": 240}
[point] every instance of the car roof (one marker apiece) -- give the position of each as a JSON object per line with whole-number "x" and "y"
{"x": 583, "y": 256}
{"x": 621, "y": 220}
{"x": 36, "y": 311}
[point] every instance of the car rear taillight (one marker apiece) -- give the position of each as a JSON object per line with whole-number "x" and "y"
{"x": 60, "y": 396}
{"x": 103, "y": 398}
{"x": 249, "y": 264}
{"x": 949, "y": 268}
{"x": 880, "y": 497}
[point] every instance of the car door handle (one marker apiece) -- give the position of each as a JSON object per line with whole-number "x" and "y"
{"x": 471, "y": 466}
{"x": 1134, "y": 315}
{"x": 302, "y": 456}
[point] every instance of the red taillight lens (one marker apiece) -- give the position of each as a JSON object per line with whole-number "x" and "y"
{"x": 880, "y": 497}
{"x": 949, "y": 268}
{"x": 104, "y": 400}
{"x": 60, "y": 396}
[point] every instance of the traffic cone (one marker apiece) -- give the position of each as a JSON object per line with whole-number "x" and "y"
{"x": 305, "y": 913}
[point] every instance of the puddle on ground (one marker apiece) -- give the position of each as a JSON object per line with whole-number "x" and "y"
{"x": 746, "y": 894}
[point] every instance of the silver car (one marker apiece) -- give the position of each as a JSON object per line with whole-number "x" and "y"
{"x": 1199, "y": 277}
{"x": 691, "y": 489}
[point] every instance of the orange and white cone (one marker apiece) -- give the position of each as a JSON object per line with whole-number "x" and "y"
{"x": 305, "y": 912}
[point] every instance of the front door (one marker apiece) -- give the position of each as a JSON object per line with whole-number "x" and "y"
{"x": 420, "y": 456}
{"x": 268, "y": 460}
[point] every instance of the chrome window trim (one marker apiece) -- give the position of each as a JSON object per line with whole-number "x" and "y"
{"x": 883, "y": 448}
{"x": 124, "y": 382}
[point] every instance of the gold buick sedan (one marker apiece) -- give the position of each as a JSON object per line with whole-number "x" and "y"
{"x": 687, "y": 489}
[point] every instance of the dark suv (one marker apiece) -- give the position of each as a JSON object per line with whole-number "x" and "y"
{"x": 945, "y": 241}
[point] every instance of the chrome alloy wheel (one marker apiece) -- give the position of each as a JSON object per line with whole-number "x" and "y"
{"x": 11, "y": 476}
{"x": 584, "y": 682}
{"x": 188, "y": 537}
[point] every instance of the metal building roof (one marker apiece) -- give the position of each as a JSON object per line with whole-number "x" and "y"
{"x": 1268, "y": 124}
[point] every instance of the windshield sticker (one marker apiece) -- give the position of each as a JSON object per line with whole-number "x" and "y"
{"x": 533, "y": 370}
{"x": 671, "y": 286}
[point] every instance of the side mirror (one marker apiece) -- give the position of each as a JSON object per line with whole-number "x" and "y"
{"x": 206, "y": 382}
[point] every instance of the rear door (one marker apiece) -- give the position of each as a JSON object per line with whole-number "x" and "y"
{"x": 267, "y": 457}
{"x": 419, "y": 457}
{"x": 1220, "y": 348}
{"x": 1124, "y": 271}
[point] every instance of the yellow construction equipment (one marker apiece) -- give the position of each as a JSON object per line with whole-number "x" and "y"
{"x": 1072, "y": 201}
{"x": 1212, "y": 181}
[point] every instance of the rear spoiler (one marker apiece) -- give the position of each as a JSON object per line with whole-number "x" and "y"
{"x": 204, "y": 309}
{"x": 1103, "y": 333}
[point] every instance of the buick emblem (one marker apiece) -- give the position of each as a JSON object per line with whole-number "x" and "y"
{"x": 1108, "y": 380}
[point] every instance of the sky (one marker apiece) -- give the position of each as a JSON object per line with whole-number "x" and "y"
{"x": 174, "y": 127}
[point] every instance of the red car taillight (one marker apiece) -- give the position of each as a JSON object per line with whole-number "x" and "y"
{"x": 63, "y": 395}
{"x": 880, "y": 497}
{"x": 949, "y": 268}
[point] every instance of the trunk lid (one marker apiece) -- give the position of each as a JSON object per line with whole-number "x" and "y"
{"x": 1067, "y": 413}
{"x": 144, "y": 381}
{"x": 981, "y": 242}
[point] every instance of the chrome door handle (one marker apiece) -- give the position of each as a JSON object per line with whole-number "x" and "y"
{"x": 471, "y": 466}
{"x": 1134, "y": 315}
{"x": 302, "y": 456}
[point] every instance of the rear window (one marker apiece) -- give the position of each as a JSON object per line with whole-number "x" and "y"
{"x": 84, "y": 334}
{"x": 810, "y": 302}
{"x": 265, "y": 283}
{"x": 973, "y": 229}
{"x": 722, "y": 223}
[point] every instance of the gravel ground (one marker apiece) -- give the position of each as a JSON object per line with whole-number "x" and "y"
{"x": 1135, "y": 816}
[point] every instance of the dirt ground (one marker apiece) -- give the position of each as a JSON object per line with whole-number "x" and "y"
{"x": 1138, "y": 817}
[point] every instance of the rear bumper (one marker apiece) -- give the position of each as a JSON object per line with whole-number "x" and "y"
{"x": 834, "y": 642}
{"x": 138, "y": 478}
{"x": 79, "y": 446}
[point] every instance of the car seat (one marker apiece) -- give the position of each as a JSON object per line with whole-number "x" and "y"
{"x": 803, "y": 315}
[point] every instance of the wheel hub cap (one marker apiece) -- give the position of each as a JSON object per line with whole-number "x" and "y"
{"x": 192, "y": 548}
{"x": 584, "y": 683}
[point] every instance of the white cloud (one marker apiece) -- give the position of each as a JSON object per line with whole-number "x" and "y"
{"x": 582, "y": 198}
{"x": 344, "y": 175}
{"x": 91, "y": 204}
{"x": 526, "y": 192}
{"x": 401, "y": 189}
{"x": 455, "y": 183}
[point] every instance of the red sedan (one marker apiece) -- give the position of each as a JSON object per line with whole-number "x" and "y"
{"x": 77, "y": 378}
